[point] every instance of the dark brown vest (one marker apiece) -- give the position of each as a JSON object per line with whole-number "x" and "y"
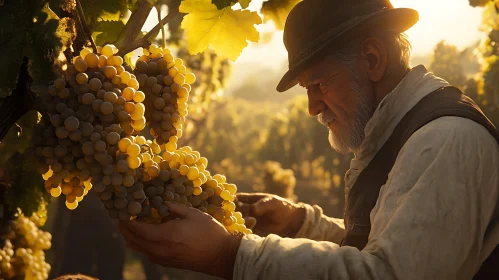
{"x": 447, "y": 101}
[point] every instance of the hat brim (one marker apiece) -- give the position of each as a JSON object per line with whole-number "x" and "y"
{"x": 398, "y": 20}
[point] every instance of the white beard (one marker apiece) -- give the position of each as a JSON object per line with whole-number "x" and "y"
{"x": 350, "y": 134}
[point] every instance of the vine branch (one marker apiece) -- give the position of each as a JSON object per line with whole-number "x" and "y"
{"x": 144, "y": 42}
{"x": 134, "y": 25}
{"x": 163, "y": 35}
{"x": 171, "y": 15}
{"x": 80, "y": 18}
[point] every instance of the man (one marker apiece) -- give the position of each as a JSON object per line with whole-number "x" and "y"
{"x": 421, "y": 194}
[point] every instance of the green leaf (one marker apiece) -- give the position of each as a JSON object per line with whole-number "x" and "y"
{"x": 277, "y": 11}
{"x": 16, "y": 18}
{"x": 223, "y": 3}
{"x": 244, "y": 3}
{"x": 107, "y": 10}
{"x": 478, "y": 3}
{"x": 50, "y": 37}
{"x": 107, "y": 31}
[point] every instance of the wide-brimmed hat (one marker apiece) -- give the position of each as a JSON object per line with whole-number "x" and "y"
{"x": 315, "y": 28}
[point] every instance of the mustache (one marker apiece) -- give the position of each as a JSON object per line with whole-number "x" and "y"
{"x": 326, "y": 117}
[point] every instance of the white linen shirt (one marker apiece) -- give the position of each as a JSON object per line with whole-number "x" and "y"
{"x": 431, "y": 217}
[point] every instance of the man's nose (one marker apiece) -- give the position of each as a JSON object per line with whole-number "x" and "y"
{"x": 315, "y": 105}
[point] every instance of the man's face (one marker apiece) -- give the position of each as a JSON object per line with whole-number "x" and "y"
{"x": 341, "y": 99}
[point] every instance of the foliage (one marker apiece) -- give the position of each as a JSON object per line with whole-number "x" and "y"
{"x": 446, "y": 64}
{"x": 279, "y": 181}
{"x": 226, "y": 30}
{"x": 484, "y": 87}
{"x": 277, "y": 11}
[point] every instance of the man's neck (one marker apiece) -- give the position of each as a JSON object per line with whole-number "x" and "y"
{"x": 387, "y": 85}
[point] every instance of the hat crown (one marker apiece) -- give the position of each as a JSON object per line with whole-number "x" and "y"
{"x": 310, "y": 19}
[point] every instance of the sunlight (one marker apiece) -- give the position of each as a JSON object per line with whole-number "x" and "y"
{"x": 438, "y": 21}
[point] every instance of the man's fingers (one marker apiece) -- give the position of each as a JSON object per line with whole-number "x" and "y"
{"x": 138, "y": 243}
{"x": 249, "y": 222}
{"x": 263, "y": 207}
{"x": 151, "y": 232}
{"x": 250, "y": 197}
{"x": 244, "y": 208}
{"x": 180, "y": 210}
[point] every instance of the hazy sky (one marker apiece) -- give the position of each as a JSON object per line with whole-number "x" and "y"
{"x": 452, "y": 20}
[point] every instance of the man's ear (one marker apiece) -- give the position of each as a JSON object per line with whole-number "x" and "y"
{"x": 374, "y": 56}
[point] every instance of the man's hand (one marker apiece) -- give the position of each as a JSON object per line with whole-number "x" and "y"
{"x": 195, "y": 241}
{"x": 274, "y": 214}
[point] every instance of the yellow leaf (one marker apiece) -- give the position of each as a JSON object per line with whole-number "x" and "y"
{"x": 244, "y": 3}
{"x": 226, "y": 30}
{"x": 278, "y": 11}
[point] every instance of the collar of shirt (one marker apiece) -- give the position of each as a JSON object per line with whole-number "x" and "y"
{"x": 413, "y": 87}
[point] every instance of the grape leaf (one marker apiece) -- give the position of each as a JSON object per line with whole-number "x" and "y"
{"x": 478, "y": 3}
{"x": 277, "y": 11}
{"x": 107, "y": 31}
{"x": 244, "y": 3}
{"x": 15, "y": 21}
{"x": 50, "y": 37}
{"x": 228, "y": 31}
{"x": 223, "y": 3}
{"x": 107, "y": 10}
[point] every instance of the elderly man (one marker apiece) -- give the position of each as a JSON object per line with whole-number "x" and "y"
{"x": 421, "y": 194}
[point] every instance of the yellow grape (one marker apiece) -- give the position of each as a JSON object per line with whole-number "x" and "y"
{"x": 72, "y": 205}
{"x": 138, "y": 111}
{"x": 139, "y": 124}
{"x": 182, "y": 92}
{"x": 92, "y": 60}
{"x": 184, "y": 169}
{"x": 129, "y": 107}
{"x": 133, "y": 150}
{"x": 123, "y": 144}
{"x": 133, "y": 83}
{"x": 110, "y": 72}
{"x": 107, "y": 50}
{"x": 197, "y": 191}
{"x": 193, "y": 173}
{"x": 80, "y": 64}
{"x": 117, "y": 60}
{"x": 182, "y": 69}
{"x": 102, "y": 60}
{"x": 84, "y": 52}
{"x": 81, "y": 78}
{"x": 133, "y": 162}
{"x": 125, "y": 77}
{"x": 190, "y": 78}
{"x": 139, "y": 96}
{"x": 56, "y": 192}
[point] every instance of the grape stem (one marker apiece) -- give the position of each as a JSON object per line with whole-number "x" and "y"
{"x": 134, "y": 26}
{"x": 84, "y": 26}
{"x": 163, "y": 35}
{"x": 144, "y": 42}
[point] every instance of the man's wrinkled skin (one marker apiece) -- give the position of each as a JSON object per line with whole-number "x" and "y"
{"x": 194, "y": 241}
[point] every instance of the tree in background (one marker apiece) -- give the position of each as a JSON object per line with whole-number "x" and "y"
{"x": 446, "y": 64}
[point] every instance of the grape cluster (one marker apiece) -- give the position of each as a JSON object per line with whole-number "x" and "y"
{"x": 93, "y": 140}
{"x": 23, "y": 255}
{"x": 88, "y": 116}
{"x": 166, "y": 84}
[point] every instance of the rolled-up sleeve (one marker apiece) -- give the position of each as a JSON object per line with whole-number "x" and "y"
{"x": 319, "y": 227}
{"x": 429, "y": 222}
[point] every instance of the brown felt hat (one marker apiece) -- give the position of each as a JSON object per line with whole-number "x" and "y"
{"x": 315, "y": 28}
